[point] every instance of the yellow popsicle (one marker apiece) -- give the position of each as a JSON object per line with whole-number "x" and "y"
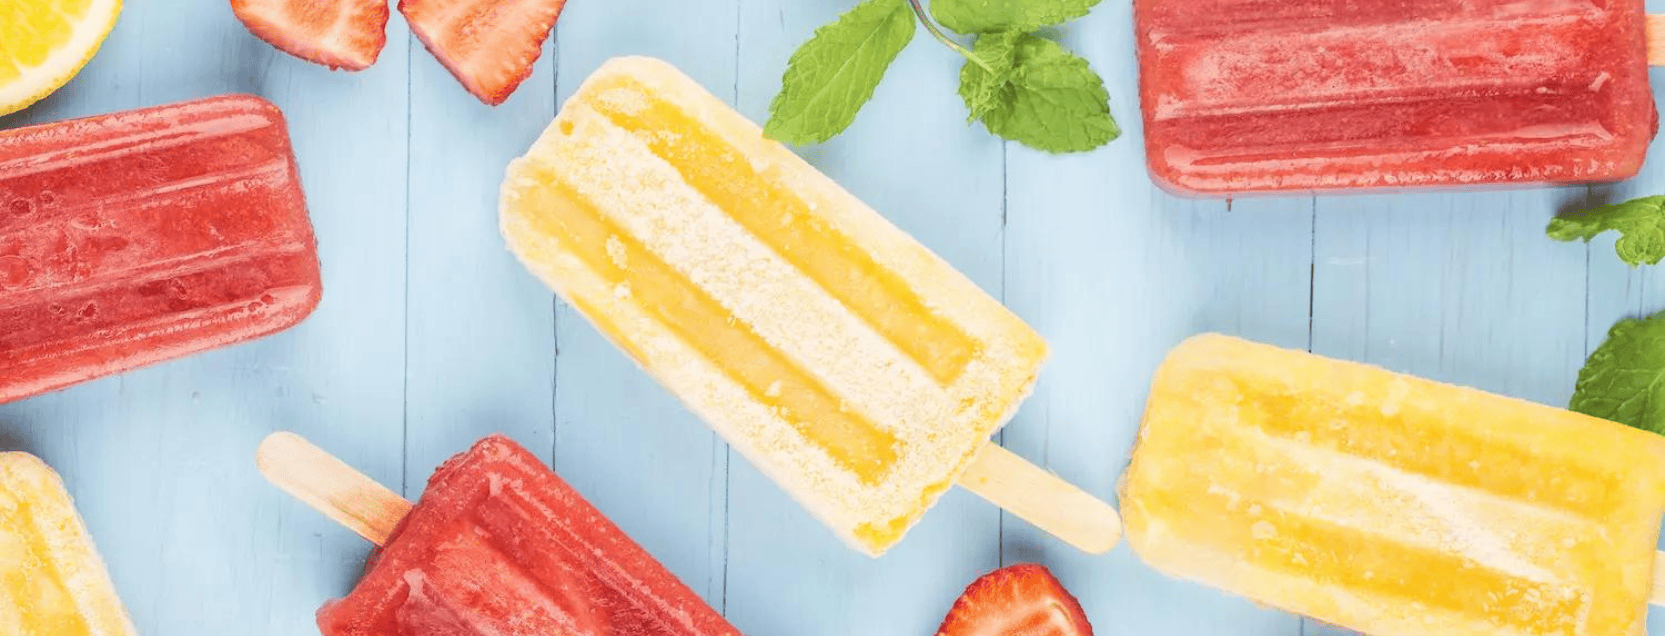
{"x": 51, "y": 577}
{"x": 849, "y": 363}
{"x": 1389, "y": 504}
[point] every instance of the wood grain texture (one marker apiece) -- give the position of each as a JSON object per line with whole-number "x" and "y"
{"x": 430, "y": 336}
{"x": 480, "y": 357}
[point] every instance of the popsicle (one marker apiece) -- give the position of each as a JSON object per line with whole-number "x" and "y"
{"x": 52, "y": 581}
{"x": 1388, "y": 504}
{"x": 139, "y": 237}
{"x": 854, "y": 367}
{"x": 497, "y": 546}
{"x": 1245, "y": 96}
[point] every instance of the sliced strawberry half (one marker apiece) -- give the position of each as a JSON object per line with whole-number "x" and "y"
{"x": 489, "y": 45}
{"x": 1018, "y": 600}
{"x": 340, "y": 34}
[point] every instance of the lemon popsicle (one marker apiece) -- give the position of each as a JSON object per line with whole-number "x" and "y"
{"x": 52, "y": 581}
{"x": 1389, "y": 504}
{"x": 850, "y": 364}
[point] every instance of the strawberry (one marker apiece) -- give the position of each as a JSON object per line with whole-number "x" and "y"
{"x": 340, "y": 34}
{"x": 1017, "y": 600}
{"x": 489, "y": 45}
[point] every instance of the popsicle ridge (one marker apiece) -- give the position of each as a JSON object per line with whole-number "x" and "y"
{"x": 1390, "y": 504}
{"x": 1398, "y": 433}
{"x": 853, "y": 366}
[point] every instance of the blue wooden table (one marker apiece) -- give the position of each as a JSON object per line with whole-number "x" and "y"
{"x": 431, "y": 335}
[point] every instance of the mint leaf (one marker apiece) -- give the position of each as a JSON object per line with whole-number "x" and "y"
{"x": 1640, "y": 223}
{"x": 833, "y": 74}
{"x": 1624, "y": 380}
{"x": 1052, "y": 101}
{"x": 989, "y": 16}
{"x": 982, "y": 88}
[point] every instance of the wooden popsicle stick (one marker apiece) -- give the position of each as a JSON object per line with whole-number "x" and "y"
{"x": 1043, "y": 499}
{"x": 1656, "y": 50}
{"x": 996, "y": 474}
{"x": 349, "y": 497}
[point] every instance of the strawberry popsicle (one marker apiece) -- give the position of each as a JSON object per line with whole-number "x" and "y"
{"x": 497, "y": 545}
{"x": 1244, "y": 96}
{"x": 139, "y": 237}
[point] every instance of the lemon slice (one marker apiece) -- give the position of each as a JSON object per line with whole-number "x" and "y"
{"x": 44, "y": 43}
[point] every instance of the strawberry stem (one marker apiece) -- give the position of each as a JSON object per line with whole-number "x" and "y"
{"x": 925, "y": 19}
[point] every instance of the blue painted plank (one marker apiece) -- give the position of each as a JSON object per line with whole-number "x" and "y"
{"x": 1462, "y": 288}
{"x": 622, "y": 440}
{"x": 910, "y": 156}
{"x": 1114, "y": 272}
{"x": 480, "y": 331}
{"x": 350, "y": 133}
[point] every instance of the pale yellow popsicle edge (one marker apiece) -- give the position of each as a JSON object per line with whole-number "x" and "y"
{"x": 827, "y": 494}
{"x": 73, "y": 553}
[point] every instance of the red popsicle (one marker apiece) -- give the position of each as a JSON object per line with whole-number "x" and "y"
{"x": 497, "y": 546}
{"x": 1245, "y": 96}
{"x": 138, "y": 237}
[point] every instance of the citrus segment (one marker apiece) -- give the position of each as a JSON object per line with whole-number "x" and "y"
{"x": 44, "y": 43}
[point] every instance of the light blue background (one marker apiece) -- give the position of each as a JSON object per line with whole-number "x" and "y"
{"x": 431, "y": 336}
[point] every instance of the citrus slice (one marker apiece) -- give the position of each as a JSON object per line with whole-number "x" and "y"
{"x": 44, "y": 43}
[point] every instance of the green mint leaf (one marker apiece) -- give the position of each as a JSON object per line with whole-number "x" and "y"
{"x": 833, "y": 74}
{"x": 1053, "y": 101}
{"x": 1640, "y": 223}
{"x": 983, "y": 89}
{"x": 1624, "y": 380}
{"x": 989, "y": 16}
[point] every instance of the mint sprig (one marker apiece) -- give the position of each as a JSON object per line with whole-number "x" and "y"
{"x": 1049, "y": 99}
{"x": 1624, "y": 380}
{"x": 1023, "y": 87}
{"x": 1640, "y": 223}
{"x": 833, "y": 74}
{"x": 990, "y": 16}
{"x": 985, "y": 85}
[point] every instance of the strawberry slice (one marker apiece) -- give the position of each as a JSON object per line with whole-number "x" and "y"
{"x": 1017, "y": 600}
{"x": 489, "y": 45}
{"x": 340, "y": 34}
